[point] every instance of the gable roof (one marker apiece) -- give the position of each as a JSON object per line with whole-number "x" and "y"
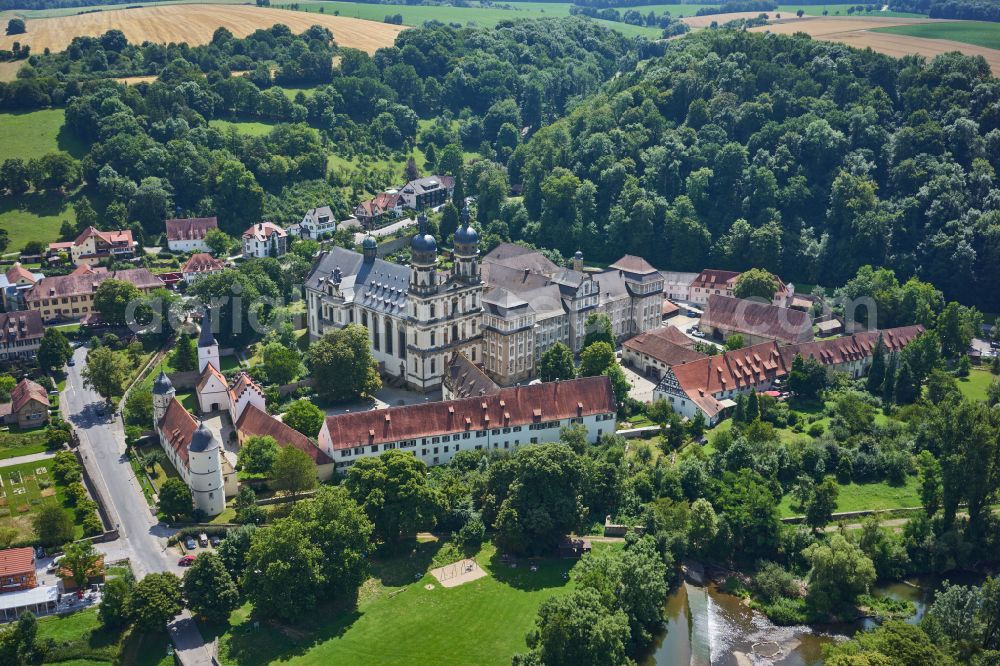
{"x": 202, "y": 262}
{"x": 177, "y": 427}
{"x": 734, "y": 370}
{"x": 17, "y": 561}
{"x": 27, "y": 391}
{"x": 262, "y": 231}
{"x": 320, "y": 212}
{"x": 255, "y": 423}
{"x": 835, "y": 351}
{"x": 207, "y": 374}
{"x": 758, "y": 319}
{"x": 110, "y": 237}
{"x": 466, "y": 380}
{"x": 633, "y": 264}
{"x": 243, "y": 382}
{"x": 666, "y": 344}
{"x": 86, "y": 282}
{"x": 190, "y": 228}
{"x": 18, "y": 272}
{"x": 712, "y": 278}
{"x": 515, "y": 406}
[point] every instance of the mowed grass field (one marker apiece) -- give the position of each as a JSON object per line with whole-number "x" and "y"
{"x": 866, "y": 496}
{"x": 980, "y": 33}
{"x": 195, "y": 24}
{"x": 974, "y": 386}
{"x": 399, "y": 621}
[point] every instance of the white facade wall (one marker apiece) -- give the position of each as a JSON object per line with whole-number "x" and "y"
{"x": 248, "y": 397}
{"x": 439, "y": 450}
{"x": 214, "y": 397}
{"x": 204, "y": 477}
{"x": 188, "y": 245}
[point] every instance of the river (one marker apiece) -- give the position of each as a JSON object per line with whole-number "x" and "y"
{"x": 707, "y": 627}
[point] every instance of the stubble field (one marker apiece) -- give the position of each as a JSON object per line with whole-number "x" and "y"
{"x": 195, "y": 24}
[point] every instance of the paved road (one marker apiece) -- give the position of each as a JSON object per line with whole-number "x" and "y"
{"x": 31, "y": 457}
{"x": 386, "y": 230}
{"x": 102, "y": 442}
{"x": 143, "y": 540}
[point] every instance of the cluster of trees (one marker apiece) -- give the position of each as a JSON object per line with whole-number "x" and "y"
{"x": 973, "y": 10}
{"x": 739, "y": 6}
{"x": 596, "y": 358}
{"x": 55, "y": 171}
{"x": 740, "y": 150}
{"x": 670, "y": 25}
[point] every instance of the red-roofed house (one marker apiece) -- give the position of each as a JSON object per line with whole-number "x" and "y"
{"x": 653, "y": 352}
{"x": 255, "y": 422}
{"x": 188, "y": 234}
{"x": 712, "y": 281}
{"x": 92, "y": 246}
{"x": 265, "y": 239}
{"x": 20, "y": 334}
{"x": 711, "y": 383}
{"x": 754, "y": 321}
{"x": 200, "y": 263}
{"x": 506, "y": 420}
{"x": 17, "y": 569}
{"x": 29, "y": 405}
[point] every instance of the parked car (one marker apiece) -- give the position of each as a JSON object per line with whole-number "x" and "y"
{"x": 190, "y": 544}
{"x": 203, "y": 540}
{"x": 216, "y": 541}
{"x": 71, "y": 362}
{"x": 186, "y": 561}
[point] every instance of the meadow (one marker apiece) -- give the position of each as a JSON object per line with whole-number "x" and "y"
{"x": 974, "y": 386}
{"x": 399, "y": 621}
{"x": 979, "y": 33}
{"x": 866, "y": 496}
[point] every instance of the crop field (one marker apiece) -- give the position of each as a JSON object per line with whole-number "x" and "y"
{"x": 861, "y": 33}
{"x": 978, "y": 33}
{"x": 195, "y": 24}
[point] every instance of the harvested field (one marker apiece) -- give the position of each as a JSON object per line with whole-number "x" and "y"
{"x": 858, "y": 32}
{"x": 195, "y": 24}
{"x": 705, "y": 21}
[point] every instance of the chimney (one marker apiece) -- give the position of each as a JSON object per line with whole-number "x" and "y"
{"x": 578, "y": 262}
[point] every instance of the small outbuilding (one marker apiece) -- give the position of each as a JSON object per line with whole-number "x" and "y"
{"x": 574, "y": 548}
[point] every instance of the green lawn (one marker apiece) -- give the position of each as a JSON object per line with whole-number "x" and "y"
{"x": 81, "y": 641}
{"x": 14, "y": 444}
{"x": 34, "y": 216}
{"x": 249, "y": 128}
{"x": 979, "y": 33}
{"x": 29, "y": 135}
{"x": 860, "y": 497}
{"x": 21, "y": 494}
{"x": 398, "y": 621}
{"x": 975, "y": 385}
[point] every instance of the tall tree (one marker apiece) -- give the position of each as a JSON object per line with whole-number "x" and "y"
{"x": 54, "y": 350}
{"x": 343, "y": 365}
{"x": 822, "y": 503}
{"x": 557, "y": 363}
{"x": 209, "y": 590}
{"x": 839, "y": 573}
{"x": 80, "y": 559}
{"x": 576, "y": 629}
{"x": 598, "y": 329}
{"x": 258, "y": 453}
{"x": 113, "y": 298}
{"x": 876, "y": 373}
{"x": 185, "y": 357}
{"x": 596, "y": 358}
{"x": 304, "y": 416}
{"x": 155, "y": 600}
{"x": 756, "y": 283}
{"x": 294, "y": 472}
{"x": 175, "y": 499}
{"x": 394, "y": 492}
{"x": 106, "y": 372}
{"x": 283, "y": 573}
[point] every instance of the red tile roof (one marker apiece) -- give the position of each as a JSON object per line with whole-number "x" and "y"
{"x": 263, "y": 231}
{"x": 17, "y": 561}
{"x": 241, "y": 383}
{"x": 202, "y": 262}
{"x": 712, "y": 278}
{"x": 387, "y": 200}
{"x": 467, "y": 380}
{"x": 110, "y": 237}
{"x": 23, "y": 325}
{"x": 734, "y": 370}
{"x": 667, "y": 344}
{"x": 836, "y": 351}
{"x": 206, "y": 374}
{"x": 515, "y": 406}
{"x": 78, "y": 284}
{"x": 18, "y": 272}
{"x": 26, "y": 391}
{"x": 255, "y": 423}
{"x": 177, "y": 426}
{"x": 84, "y": 269}
{"x": 190, "y": 228}
{"x": 762, "y": 320}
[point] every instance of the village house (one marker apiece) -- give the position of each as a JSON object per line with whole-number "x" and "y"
{"x": 725, "y": 316}
{"x": 721, "y": 283}
{"x": 188, "y": 234}
{"x": 381, "y": 209}
{"x": 28, "y": 406}
{"x": 17, "y": 569}
{"x": 427, "y": 192}
{"x": 20, "y": 335}
{"x": 200, "y": 263}
{"x": 654, "y": 352}
{"x": 93, "y": 246}
{"x": 316, "y": 224}
{"x": 72, "y": 296}
{"x": 677, "y": 285}
{"x": 503, "y": 421}
{"x": 710, "y": 384}
{"x": 14, "y": 284}
{"x": 264, "y": 239}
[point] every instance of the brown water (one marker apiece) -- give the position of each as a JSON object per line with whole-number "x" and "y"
{"x": 707, "y": 627}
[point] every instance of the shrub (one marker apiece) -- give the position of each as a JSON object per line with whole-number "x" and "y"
{"x": 773, "y": 583}
{"x": 786, "y": 612}
{"x": 816, "y": 429}
{"x": 92, "y": 525}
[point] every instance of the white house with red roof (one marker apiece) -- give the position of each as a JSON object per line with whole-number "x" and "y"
{"x": 265, "y": 239}
{"x": 93, "y": 246}
{"x": 188, "y": 234}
